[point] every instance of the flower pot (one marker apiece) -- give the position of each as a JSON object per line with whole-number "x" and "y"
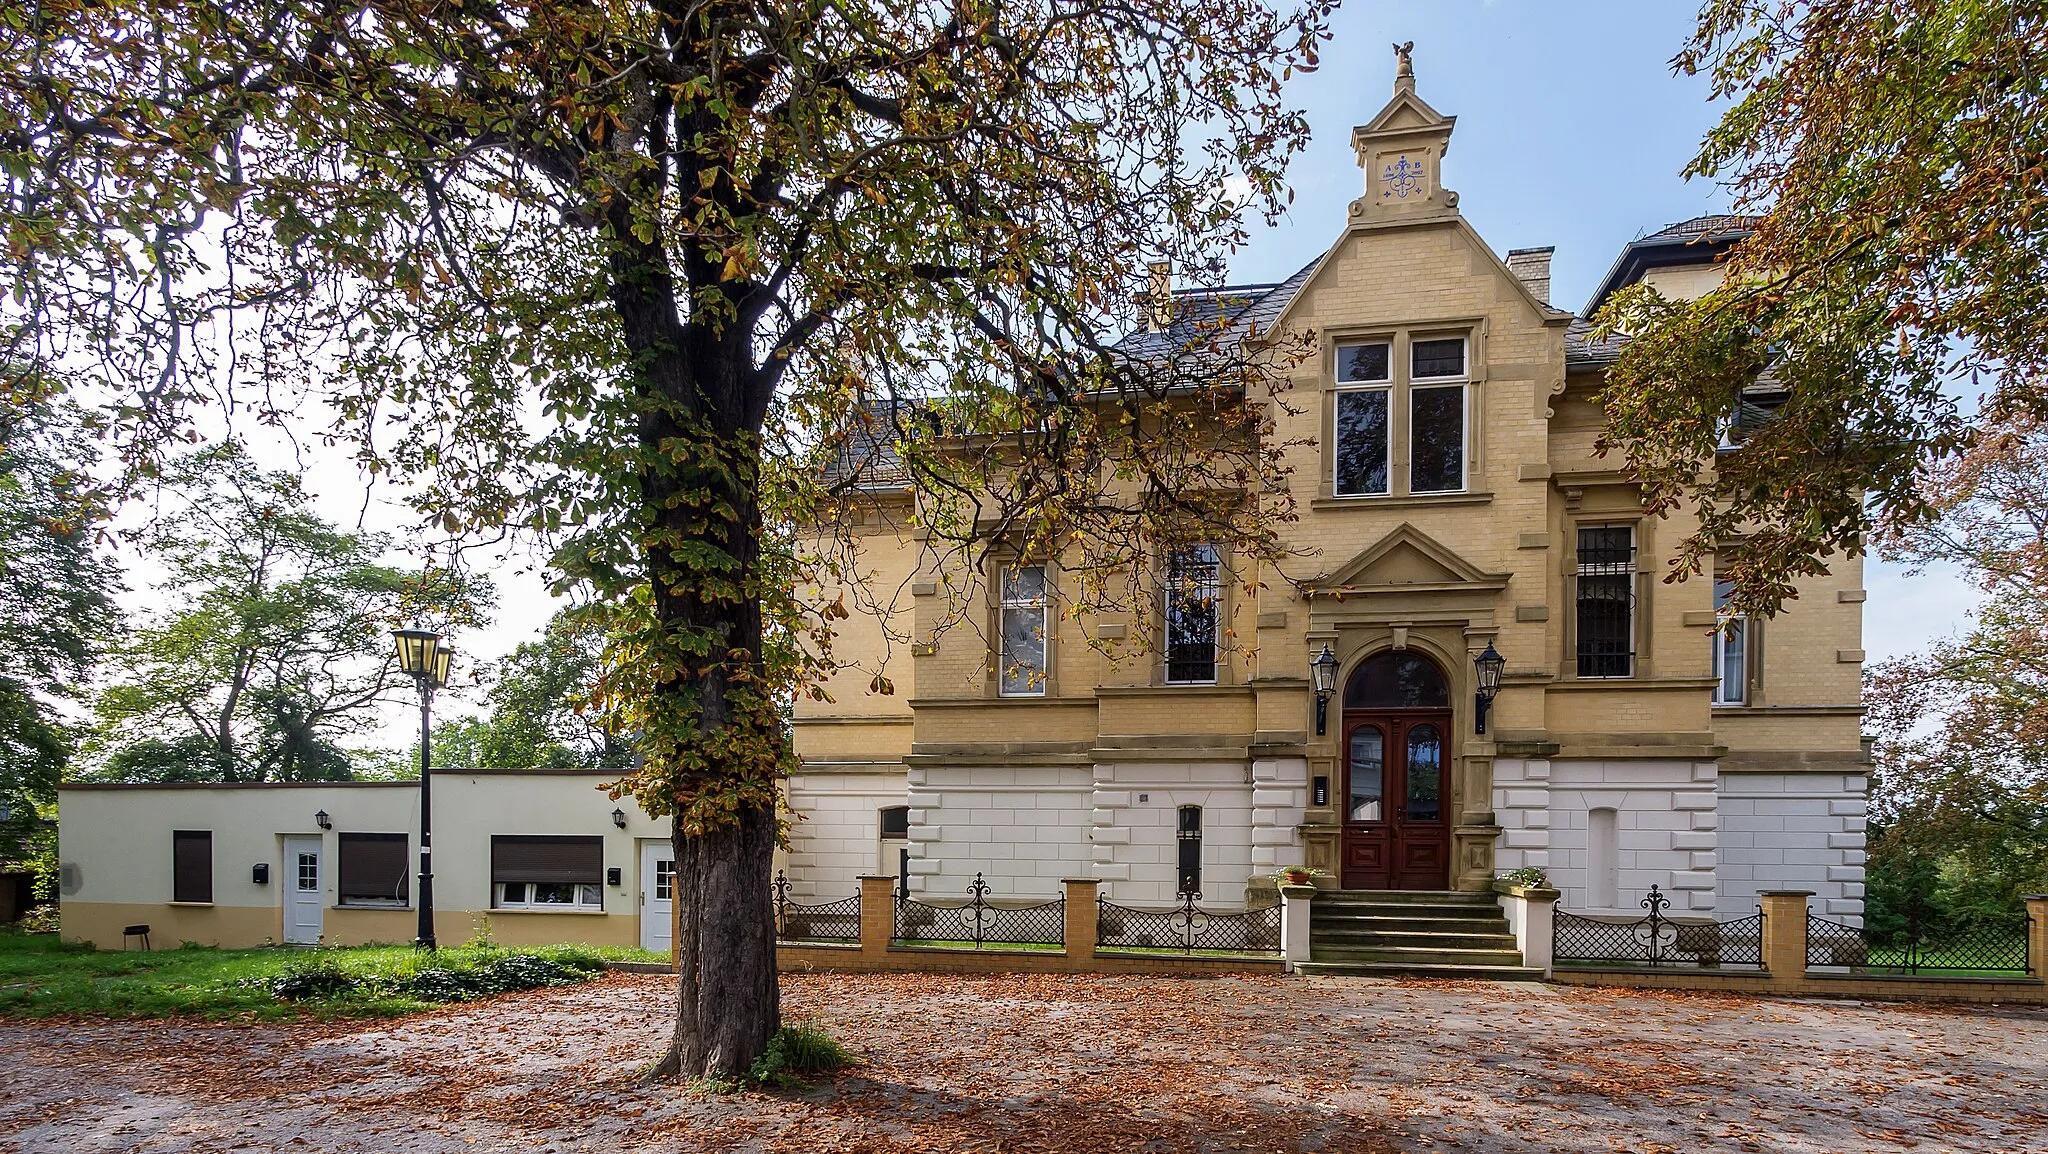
{"x": 1296, "y": 877}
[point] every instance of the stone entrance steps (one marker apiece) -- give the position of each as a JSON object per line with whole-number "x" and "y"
{"x": 1386, "y": 933}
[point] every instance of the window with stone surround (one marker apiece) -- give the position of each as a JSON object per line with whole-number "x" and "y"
{"x": 1021, "y": 661}
{"x": 1428, "y": 388}
{"x": 1436, "y": 416}
{"x": 1194, "y": 594}
{"x": 1188, "y": 838}
{"x": 1606, "y": 600}
{"x": 1731, "y": 648}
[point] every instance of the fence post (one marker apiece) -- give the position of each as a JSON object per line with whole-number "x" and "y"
{"x": 1785, "y": 935}
{"x": 1081, "y": 912}
{"x": 1294, "y": 921}
{"x": 2037, "y": 936}
{"x": 877, "y": 912}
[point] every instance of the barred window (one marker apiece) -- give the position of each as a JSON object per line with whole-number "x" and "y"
{"x": 1193, "y": 594}
{"x": 1606, "y": 600}
{"x": 1731, "y": 654}
{"x": 1188, "y": 877}
{"x": 1023, "y": 666}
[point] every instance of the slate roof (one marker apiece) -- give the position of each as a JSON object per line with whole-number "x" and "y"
{"x": 1198, "y": 314}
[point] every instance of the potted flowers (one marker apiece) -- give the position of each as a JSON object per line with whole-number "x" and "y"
{"x": 1298, "y": 875}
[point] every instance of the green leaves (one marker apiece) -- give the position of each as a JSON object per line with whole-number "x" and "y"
{"x": 1892, "y": 158}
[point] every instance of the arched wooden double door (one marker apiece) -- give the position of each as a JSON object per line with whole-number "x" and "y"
{"x": 1396, "y": 800}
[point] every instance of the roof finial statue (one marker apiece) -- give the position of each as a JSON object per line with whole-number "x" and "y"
{"x": 1404, "y": 60}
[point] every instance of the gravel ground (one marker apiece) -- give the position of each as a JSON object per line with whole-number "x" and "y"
{"x": 1068, "y": 1064}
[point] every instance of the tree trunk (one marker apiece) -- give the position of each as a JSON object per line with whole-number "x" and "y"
{"x": 716, "y": 726}
{"x": 727, "y": 1001}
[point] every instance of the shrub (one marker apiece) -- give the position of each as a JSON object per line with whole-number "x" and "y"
{"x": 316, "y": 978}
{"x": 793, "y": 1053}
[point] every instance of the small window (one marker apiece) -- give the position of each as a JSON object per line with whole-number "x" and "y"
{"x": 1606, "y": 600}
{"x": 1189, "y": 840}
{"x": 1731, "y": 656}
{"x": 373, "y": 870}
{"x": 191, "y": 865}
{"x": 1194, "y": 589}
{"x": 1437, "y": 360}
{"x": 547, "y": 873}
{"x": 664, "y": 879}
{"x": 1023, "y": 627}
{"x": 309, "y": 872}
{"x": 896, "y": 821}
{"x": 1368, "y": 362}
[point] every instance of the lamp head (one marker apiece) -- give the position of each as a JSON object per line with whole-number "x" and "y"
{"x": 417, "y": 650}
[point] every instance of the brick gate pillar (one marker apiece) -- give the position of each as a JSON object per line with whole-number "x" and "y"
{"x": 1081, "y": 915}
{"x": 877, "y": 913}
{"x": 1785, "y": 935}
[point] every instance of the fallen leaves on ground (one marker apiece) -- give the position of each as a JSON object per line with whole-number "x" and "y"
{"x": 1063, "y": 1064}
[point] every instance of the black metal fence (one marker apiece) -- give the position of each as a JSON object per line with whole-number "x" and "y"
{"x": 1188, "y": 928}
{"x": 830, "y": 922}
{"x": 1920, "y": 946}
{"x": 982, "y": 922}
{"x": 1656, "y": 940}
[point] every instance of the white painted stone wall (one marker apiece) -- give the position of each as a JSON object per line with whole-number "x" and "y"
{"x": 1023, "y": 828}
{"x": 1135, "y": 819}
{"x": 838, "y": 836}
{"x": 1801, "y": 831}
{"x": 1666, "y": 824}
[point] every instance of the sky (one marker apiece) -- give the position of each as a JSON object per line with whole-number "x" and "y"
{"x": 1572, "y": 131}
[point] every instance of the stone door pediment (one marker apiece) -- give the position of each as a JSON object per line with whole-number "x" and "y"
{"x": 1405, "y": 560}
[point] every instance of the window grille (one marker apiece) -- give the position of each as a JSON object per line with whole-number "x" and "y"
{"x": 1023, "y": 632}
{"x": 1193, "y": 596}
{"x": 1607, "y": 600}
{"x": 1189, "y": 840}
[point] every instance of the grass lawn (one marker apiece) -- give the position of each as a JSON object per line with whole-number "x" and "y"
{"x": 41, "y": 976}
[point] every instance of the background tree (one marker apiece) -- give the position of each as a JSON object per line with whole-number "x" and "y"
{"x": 55, "y": 614}
{"x": 1960, "y": 798}
{"x": 620, "y": 275}
{"x": 1892, "y": 154}
{"x": 274, "y": 643}
{"x": 540, "y": 713}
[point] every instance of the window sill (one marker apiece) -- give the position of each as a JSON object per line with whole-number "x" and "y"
{"x": 191, "y": 905}
{"x": 584, "y": 910}
{"x": 356, "y": 905}
{"x": 1324, "y": 504}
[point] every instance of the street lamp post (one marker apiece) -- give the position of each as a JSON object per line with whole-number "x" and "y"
{"x": 422, "y": 657}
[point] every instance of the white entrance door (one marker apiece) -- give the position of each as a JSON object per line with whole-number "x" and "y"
{"x": 302, "y": 893}
{"x": 657, "y": 894}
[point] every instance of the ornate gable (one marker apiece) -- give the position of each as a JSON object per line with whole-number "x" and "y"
{"x": 1408, "y": 560}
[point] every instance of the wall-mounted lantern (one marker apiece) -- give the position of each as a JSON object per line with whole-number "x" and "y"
{"x": 1488, "y": 665}
{"x": 1323, "y": 674}
{"x": 619, "y": 818}
{"x": 321, "y": 819}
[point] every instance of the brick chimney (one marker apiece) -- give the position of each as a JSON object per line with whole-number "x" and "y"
{"x": 1532, "y": 267}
